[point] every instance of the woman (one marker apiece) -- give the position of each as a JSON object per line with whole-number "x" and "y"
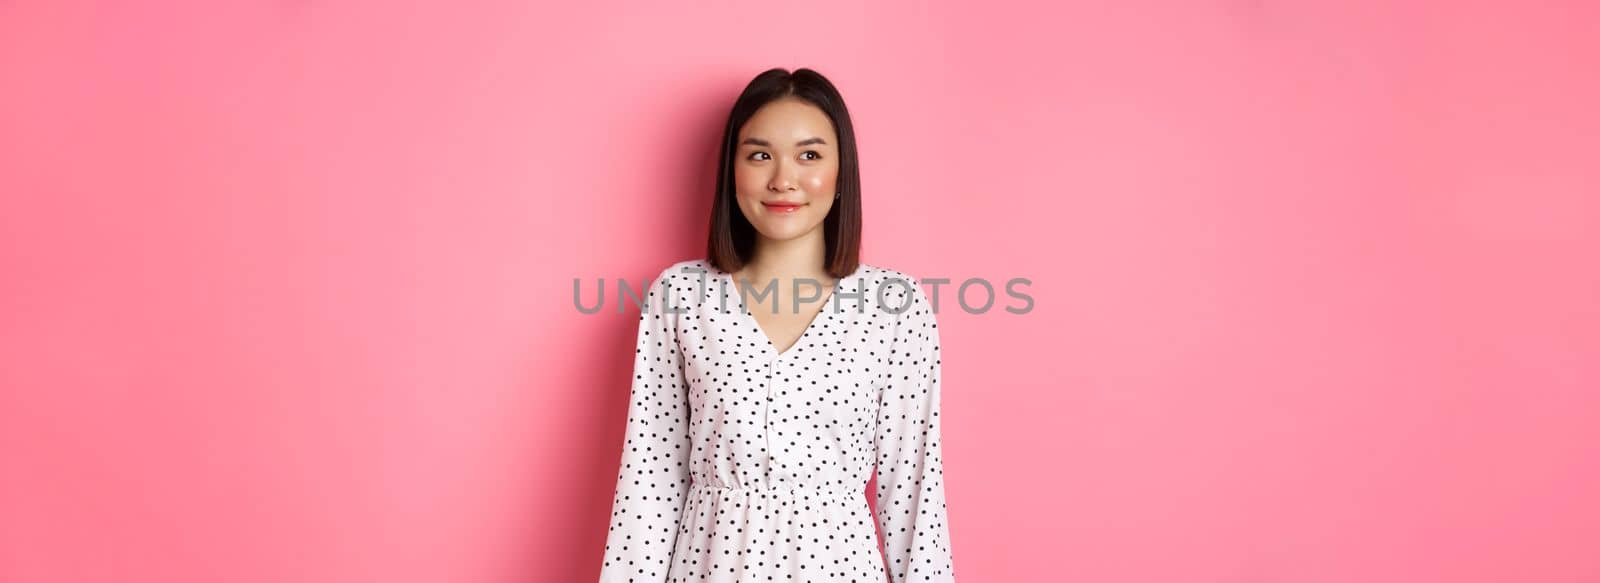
{"x": 773, "y": 376}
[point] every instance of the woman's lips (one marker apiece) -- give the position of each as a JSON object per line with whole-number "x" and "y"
{"x": 783, "y": 207}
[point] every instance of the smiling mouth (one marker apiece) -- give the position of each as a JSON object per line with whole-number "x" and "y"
{"x": 783, "y": 207}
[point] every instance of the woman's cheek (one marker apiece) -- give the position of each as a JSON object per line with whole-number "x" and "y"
{"x": 820, "y": 182}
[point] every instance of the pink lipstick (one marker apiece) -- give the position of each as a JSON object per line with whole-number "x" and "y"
{"x": 783, "y": 206}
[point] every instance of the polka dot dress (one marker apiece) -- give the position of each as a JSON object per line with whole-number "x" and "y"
{"x": 744, "y": 464}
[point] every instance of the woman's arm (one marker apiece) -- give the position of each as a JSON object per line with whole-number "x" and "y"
{"x": 654, "y": 476}
{"x": 910, "y": 498}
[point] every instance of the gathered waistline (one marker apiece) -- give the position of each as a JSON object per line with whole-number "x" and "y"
{"x": 825, "y": 488}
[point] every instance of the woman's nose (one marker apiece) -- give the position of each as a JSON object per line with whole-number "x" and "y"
{"x": 781, "y": 183}
{"x": 783, "y": 179}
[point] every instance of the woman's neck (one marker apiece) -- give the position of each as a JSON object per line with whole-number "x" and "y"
{"x": 798, "y": 258}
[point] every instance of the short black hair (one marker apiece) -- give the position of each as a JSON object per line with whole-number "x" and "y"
{"x": 732, "y": 239}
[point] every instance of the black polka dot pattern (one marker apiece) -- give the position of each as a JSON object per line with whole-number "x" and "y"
{"x": 745, "y": 464}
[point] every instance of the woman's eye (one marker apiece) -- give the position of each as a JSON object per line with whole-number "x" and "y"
{"x": 753, "y": 156}
{"x": 813, "y": 153}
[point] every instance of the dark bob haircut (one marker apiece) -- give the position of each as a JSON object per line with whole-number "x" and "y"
{"x": 733, "y": 238}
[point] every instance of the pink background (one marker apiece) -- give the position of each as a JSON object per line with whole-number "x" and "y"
{"x": 286, "y": 287}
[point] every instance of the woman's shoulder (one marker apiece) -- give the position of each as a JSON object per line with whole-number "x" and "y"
{"x": 686, "y": 270}
{"x": 688, "y": 277}
{"x": 881, "y": 273}
{"x": 890, "y": 286}
{"x": 889, "y": 276}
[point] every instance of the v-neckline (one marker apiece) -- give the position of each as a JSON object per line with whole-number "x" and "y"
{"x": 750, "y": 317}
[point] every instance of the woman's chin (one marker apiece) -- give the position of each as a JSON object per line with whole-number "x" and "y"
{"x": 783, "y": 229}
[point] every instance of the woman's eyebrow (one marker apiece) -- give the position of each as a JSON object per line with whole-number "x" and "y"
{"x": 766, "y": 144}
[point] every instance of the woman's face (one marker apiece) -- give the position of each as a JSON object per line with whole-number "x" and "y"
{"x": 786, "y": 168}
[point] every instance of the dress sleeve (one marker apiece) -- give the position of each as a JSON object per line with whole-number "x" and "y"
{"x": 911, "y": 513}
{"x": 653, "y": 480}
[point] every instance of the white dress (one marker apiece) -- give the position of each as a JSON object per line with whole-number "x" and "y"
{"x": 741, "y": 464}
